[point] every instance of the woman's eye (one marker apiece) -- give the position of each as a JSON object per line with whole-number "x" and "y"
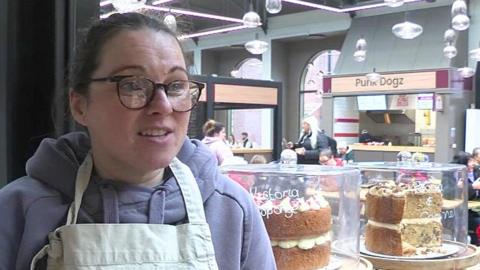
{"x": 176, "y": 88}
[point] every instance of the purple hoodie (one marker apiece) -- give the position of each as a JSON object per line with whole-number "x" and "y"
{"x": 36, "y": 204}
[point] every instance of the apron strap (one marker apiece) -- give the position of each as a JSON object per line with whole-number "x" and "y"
{"x": 81, "y": 184}
{"x": 38, "y": 257}
{"x": 190, "y": 191}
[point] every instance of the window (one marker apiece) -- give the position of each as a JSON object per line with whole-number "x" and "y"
{"x": 257, "y": 122}
{"x": 311, "y": 86}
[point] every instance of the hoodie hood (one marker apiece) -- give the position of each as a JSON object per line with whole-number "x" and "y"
{"x": 209, "y": 140}
{"x": 56, "y": 162}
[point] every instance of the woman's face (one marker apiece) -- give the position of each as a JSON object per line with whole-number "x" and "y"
{"x": 470, "y": 164}
{"x": 306, "y": 127}
{"x": 141, "y": 140}
{"x": 222, "y": 134}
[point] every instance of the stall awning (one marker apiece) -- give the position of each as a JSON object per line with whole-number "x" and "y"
{"x": 388, "y": 53}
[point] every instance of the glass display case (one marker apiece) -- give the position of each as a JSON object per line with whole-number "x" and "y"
{"x": 311, "y": 212}
{"x": 413, "y": 210}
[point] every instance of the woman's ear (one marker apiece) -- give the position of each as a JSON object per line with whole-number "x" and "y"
{"x": 78, "y": 107}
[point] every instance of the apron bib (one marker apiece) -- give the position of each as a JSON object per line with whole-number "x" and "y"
{"x": 132, "y": 246}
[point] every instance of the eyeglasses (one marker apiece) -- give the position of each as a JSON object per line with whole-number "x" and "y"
{"x": 136, "y": 92}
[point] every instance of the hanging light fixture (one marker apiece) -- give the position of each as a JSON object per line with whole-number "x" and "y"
{"x": 449, "y": 51}
{"x": 466, "y": 72}
{"x": 459, "y": 7}
{"x": 360, "y": 50}
{"x": 251, "y": 19}
{"x": 273, "y": 6}
{"x": 127, "y": 5}
{"x": 171, "y": 22}
{"x": 360, "y": 55}
{"x": 460, "y": 19}
{"x": 394, "y": 3}
{"x": 373, "y": 76}
{"x": 407, "y": 30}
{"x": 450, "y": 36}
{"x": 361, "y": 44}
{"x": 256, "y": 46}
{"x": 460, "y": 22}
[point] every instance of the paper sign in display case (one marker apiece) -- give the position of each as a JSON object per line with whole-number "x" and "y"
{"x": 311, "y": 213}
{"x": 413, "y": 212}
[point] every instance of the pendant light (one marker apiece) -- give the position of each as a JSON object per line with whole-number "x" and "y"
{"x": 449, "y": 51}
{"x": 359, "y": 56}
{"x": 450, "y": 36}
{"x": 171, "y": 22}
{"x": 394, "y": 3}
{"x": 251, "y": 19}
{"x": 360, "y": 53}
{"x": 361, "y": 44}
{"x": 256, "y": 46}
{"x": 460, "y": 19}
{"x": 407, "y": 30}
{"x": 460, "y": 22}
{"x": 373, "y": 76}
{"x": 466, "y": 72}
{"x": 273, "y": 6}
{"x": 128, "y": 5}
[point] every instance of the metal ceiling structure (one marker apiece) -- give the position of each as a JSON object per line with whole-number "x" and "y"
{"x": 188, "y": 24}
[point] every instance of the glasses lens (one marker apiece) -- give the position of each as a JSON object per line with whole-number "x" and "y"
{"x": 183, "y": 95}
{"x": 135, "y": 92}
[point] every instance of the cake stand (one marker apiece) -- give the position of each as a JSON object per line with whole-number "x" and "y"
{"x": 460, "y": 261}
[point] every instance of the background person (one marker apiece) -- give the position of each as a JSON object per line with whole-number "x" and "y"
{"x": 246, "y": 143}
{"x": 326, "y": 157}
{"x": 345, "y": 153}
{"x": 310, "y": 142}
{"x": 131, "y": 91}
{"x": 214, "y": 132}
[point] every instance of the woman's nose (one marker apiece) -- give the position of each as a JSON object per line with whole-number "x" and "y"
{"x": 160, "y": 103}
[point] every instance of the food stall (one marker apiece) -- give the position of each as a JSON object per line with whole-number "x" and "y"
{"x": 222, "y": 96}
{"x": 415, "y": 111}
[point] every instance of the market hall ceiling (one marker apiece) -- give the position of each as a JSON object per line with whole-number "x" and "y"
{"x": 233, "y": 8}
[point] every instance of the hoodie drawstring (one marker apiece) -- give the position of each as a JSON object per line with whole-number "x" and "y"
{"x": 110, "y": 204}
{"x": 156, "y": 211}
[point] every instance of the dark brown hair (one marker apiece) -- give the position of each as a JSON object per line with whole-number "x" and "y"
{"x": 87, "y": 56}
{"x": 211, "y": 127}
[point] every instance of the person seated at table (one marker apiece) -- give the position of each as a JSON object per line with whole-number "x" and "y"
{"x": 326, "y": 157}
{"x": 344, "y": 152}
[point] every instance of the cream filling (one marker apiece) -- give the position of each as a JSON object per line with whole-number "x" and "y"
{"x": 306, "y": 243}
{"x": 407, "y": 221}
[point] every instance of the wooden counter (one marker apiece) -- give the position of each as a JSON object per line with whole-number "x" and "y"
{"x": 380, "y": 153}
{"x": 393, "y": 148}
{"x": 248, "y": 153}
{"x": 251, "y": 151}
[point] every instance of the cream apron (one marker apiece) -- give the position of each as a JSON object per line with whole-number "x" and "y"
{"x": 132, "y": 246}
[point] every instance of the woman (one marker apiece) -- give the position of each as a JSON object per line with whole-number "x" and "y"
{"x": 215, "y": 140}
{"x": 130, "y": 89}
{"x": 310, "y": 143}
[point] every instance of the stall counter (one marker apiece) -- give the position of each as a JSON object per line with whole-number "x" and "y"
{"x": 372, "y": 153}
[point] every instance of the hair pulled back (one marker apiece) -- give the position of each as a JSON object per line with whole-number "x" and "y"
{"x": 211, "y": 127}
{"x": 87, "y": 55}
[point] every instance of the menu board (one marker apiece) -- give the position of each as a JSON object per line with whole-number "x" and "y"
{"x": 424, "y": 101}
{"x": 372, "y": 103}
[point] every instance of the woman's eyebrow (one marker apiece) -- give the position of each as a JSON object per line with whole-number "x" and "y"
{"x": 175, "y": 68}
